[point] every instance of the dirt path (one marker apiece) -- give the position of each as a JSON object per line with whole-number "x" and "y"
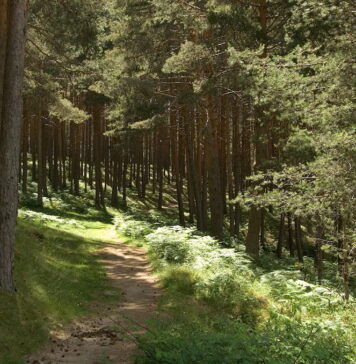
{"x": 105, "y": 338}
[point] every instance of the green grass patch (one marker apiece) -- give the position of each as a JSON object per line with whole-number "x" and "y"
{"x": 57, "y": 273}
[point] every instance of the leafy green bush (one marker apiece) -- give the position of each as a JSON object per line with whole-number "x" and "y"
{"x": 221, "y": 277}
{"x": 233, "y": 293}
{"x": 287, "y": 286}
{"x": 231, "y": 341}
{"x": 181, "y": 279}
{"x": 171, "y": 244}
{"x": 131, "y": 227}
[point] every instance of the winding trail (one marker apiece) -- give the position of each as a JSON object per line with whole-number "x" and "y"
{"x": 106, "y": 337}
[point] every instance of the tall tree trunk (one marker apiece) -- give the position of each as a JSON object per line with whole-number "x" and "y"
{"x": 340, "y": 243}
{"x": 175, "y": 150}
{"x": 290, "y": 235}
{"x": 3, "y": 47}
{"x": 214, "y": 176}
{"x": 10, "y": 133}
{"x": 260, "y": 140}
{"x": 24, "y": 153}
{"x": 318, "y": 255}
{"x": 262, "y": 230}
{"x": 298, "y": 238}
{"x": 99, "y": 194}
{"x": 253, "y": 234}
{"x": 194, "y": 188}
{"x": 40, "y": 159}
{"x": 280, "y": 237}
{"x": 56, "y": 144}
{"x": 114, "y": 196}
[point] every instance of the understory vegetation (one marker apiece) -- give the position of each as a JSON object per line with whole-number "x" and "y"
{"x": 224, "y": 307}
{"x": 57, "y": 272}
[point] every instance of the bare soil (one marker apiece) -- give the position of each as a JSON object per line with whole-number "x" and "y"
{"x": 108, "y": 336}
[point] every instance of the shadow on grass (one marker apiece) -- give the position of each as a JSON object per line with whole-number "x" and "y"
{"x": 86, "y": 215}
{"x": 57, "y": 275}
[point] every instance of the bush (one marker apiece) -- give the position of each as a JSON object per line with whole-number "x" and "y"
{"x": 233, "y": 293}
{"x": 232, "y": 341}
{"x": 132, "y": 228}
{"x": 221, "y": 277}
{"x": 171, "y": 244}
{"x": 181, "y": 279}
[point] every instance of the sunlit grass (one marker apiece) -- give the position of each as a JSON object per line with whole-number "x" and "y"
{"x": 57, "y": 275}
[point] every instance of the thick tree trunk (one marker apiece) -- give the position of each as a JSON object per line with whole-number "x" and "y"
{"x": 290, "y": 235}
{"x": 262, "y": 230}
{"x": 298, "y": 238}
{"x": 99, "y": 193}
{"x": 214, "y": 176}
{"x": 253, "y": 234}
{"x": 114, "y": 196}
{"x": 175, "y": 151}
{"x": 261, "y": 144}
{"x": 10, "y": 134}
{"x": 318, "y": 255}
{"x": 40, "y": 160}
{"x": 3, "y": 47}
{"x": 280, "y": 237}
{"x": 24, "y": 154}
{"x": 56, "y": 144}
{"x": 194, "y": 188}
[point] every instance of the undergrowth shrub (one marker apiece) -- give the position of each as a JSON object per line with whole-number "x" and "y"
{"x": 266, "y": 315}
{"x": 281, "y": 340}
{"x": 196, "y": 265}
{"x": 301, "y": 296}
{"x": 181, "y": 279}
{"x": 43, "y": 218}
{"x": 171, "y": 244}
{"x": 233, "y": 293}
{"x": 131, "y": 227}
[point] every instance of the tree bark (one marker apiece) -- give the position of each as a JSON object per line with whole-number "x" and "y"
{"x": 24, "y": 153}
{"x": 10, "y": 134}
{"x": 298, "y": 238}
{"x": 253, "y": 234}
{"x": 3, "y": 47}
{"x": 40, "y": 159}
{"x": 280, "y": 237}
{"x": 214, "y": 176}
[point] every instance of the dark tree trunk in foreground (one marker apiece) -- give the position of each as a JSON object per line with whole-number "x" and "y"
{"x": 3, "y": 43}
{"x": 10, "y": 133}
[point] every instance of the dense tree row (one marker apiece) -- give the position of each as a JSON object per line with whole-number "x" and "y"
{"x": 242, "y": 108}
{"x": 259, "y": 94}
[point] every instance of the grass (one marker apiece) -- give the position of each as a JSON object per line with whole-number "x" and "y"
{"x": 57, "y": 275}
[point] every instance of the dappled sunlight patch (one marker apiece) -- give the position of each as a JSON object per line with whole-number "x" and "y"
{"x": 57, "y": 275}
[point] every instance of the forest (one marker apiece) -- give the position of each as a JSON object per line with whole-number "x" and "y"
{"x": 177, "y": 181}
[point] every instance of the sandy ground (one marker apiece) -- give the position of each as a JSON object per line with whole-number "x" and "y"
{"x": 106, "y": 337}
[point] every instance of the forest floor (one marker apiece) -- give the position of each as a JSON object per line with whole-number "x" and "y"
{"x": 108, "y": 336}
{"x": 87, "y": 287}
